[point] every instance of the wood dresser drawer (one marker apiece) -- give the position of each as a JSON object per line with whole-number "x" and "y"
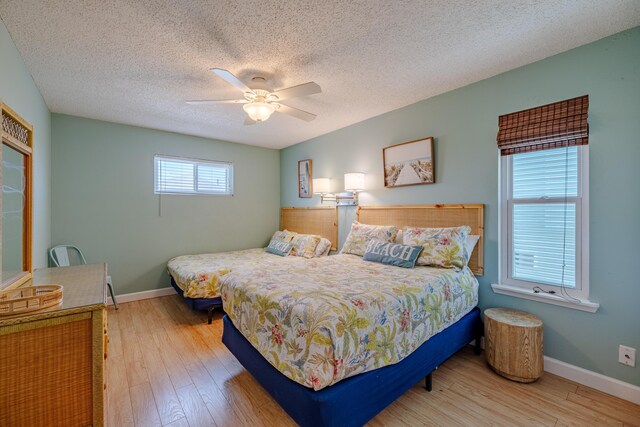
{"x": 53, "y": 360}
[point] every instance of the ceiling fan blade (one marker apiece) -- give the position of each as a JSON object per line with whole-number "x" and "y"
{"x": 231, "y": 79}
{"x": 303, "y": 115}
{"x": 249, "y": 121}
{"x": 217, "y": 101}
{"x": 297, "y": 91}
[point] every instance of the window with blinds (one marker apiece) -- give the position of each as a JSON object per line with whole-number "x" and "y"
{"x": 542, "y": 230}
{"x": 176, "y": 175}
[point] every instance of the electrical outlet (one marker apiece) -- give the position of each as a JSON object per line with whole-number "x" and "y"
{"x": 627, "y": 356}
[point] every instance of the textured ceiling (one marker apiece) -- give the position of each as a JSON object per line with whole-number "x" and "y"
{"x": 136, "y": 62}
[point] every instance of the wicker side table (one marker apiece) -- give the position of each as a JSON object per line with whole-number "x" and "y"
{"x": 513, "y": 344}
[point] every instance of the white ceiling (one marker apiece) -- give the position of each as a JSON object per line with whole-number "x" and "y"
{"x": 136, "y": 62}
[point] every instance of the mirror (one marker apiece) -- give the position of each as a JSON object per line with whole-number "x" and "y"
{"x": 16, "y": 199}
{"x": 13, "y": 204}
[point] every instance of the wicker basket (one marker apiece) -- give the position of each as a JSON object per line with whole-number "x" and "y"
{"x": 31, "y": 298}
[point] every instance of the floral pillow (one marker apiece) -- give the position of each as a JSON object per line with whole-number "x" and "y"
{"x": 443, "y": 247}
{"x": 284, "y": 236}
{"x": 323, "y": 248}
{"x": 361, "y": 234}
{"x": 304, "y": 245}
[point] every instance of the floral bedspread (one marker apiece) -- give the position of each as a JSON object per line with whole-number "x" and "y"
{"x": 199, "y": 275}
{"x": 330, "y": 318}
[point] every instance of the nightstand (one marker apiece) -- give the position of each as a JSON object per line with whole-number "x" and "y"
{"x": 513, "y": 344}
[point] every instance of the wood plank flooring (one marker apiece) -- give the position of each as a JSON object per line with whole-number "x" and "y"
{"x": 167, "y": 367}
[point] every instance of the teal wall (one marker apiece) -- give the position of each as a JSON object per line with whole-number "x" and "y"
{"x": 103, "y": 199}
{"x": 464, "y": 124}
{"x": 20, "y": 93}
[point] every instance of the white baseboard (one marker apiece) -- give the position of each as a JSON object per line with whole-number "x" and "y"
{"x": 136, "y": 296}
{"x": 588, "y": 378}
{"x": 592, "y": 379}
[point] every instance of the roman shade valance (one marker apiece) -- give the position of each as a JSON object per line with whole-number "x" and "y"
{"x": 561, "y": 124}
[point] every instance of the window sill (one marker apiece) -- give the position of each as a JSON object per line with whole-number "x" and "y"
{"x": 583, "y": 305}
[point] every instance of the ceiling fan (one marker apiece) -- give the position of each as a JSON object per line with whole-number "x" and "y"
{"x": 259, "y": 102}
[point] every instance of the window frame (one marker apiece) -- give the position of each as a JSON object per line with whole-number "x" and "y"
{"x": 196, "y": 163}
{"x": 506, "y": 202}
{"x": 26, "y": 149}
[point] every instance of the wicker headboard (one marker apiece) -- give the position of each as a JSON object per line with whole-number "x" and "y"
{"x": 432, "y": 216}
{"x": 321, "y": 220}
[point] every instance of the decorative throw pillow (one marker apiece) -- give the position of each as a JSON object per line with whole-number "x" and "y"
{"x": 443, "y": 247}
{"x": 323, "y": 248}
{"x": 284, "y": 235}
{"x": 392, "y": 253}
{"x": 304, "y": 245}
{"x": 361, "y": 234}
{"x": 278, "y": 247}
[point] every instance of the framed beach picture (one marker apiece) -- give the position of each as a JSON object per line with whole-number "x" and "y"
{"x": 304, "y": 179}
{"x": 409, "y": 163}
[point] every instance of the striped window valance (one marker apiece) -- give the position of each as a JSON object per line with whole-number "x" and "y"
{"x": 561, "y": 124}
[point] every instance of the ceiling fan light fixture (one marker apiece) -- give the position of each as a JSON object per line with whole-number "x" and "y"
{"x": 258, "y": 110}
{"x": 259, "y": 102}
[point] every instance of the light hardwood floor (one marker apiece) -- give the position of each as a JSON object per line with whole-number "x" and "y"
{"x": 167, "y": 367}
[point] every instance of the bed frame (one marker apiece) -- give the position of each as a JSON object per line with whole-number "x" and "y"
{"x": 322, "y": 221}
{"x": 355, "y": 400}
{"x": 197, "y": 303}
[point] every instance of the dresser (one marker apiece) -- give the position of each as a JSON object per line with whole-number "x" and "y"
{"x": 52, "y": 362}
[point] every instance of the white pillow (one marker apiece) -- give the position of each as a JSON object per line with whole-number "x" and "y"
{"x": 472, "y": 241}
{"x": 399, "y": 237}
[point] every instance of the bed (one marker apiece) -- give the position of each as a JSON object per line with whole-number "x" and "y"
{"x": 335, "y": 340}
{"x": 196, "y": 277}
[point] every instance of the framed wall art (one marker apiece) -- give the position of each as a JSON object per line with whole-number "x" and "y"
{"x": 305, "y": 179}
{"x": 409, "y": 163}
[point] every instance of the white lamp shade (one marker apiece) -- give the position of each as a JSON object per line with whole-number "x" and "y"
{"x": 354, "y": 181}
{"x": 259, "y": 111}
{"x": 321, "y": 185}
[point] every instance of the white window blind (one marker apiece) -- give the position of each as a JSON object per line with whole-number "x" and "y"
{"x": 542, "y": 199}
{"x": 177, "y": 175}
{"x": 543, "y": 220}
{"x": 544, "y": 245}
{"x": 546, "y": 173}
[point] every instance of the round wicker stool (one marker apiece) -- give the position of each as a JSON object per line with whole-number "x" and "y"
{"x": 513, "y": 344}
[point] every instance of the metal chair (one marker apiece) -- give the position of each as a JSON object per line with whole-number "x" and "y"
{"x": 61, "y": 257}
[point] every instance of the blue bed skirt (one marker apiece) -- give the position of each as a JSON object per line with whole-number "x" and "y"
{"x": 197, "y": 303}
{"x": 355, "y": 400}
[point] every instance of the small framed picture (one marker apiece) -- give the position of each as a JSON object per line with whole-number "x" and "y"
{"x": 304, "y": 179}
{"x": 409, "y": 163}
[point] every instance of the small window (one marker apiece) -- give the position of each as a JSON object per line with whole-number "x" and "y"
{"x": 176, "y": 175}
